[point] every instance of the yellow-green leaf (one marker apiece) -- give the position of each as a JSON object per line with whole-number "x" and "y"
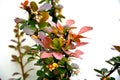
{"x": 33, "y": 6}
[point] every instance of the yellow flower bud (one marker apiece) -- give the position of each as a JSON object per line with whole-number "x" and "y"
{"x": 55, "y": 64}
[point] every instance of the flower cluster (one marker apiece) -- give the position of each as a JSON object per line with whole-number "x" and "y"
{"x": 55, "y": 42}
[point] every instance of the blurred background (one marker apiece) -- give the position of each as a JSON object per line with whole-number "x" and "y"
{"x": 102, "y": 15}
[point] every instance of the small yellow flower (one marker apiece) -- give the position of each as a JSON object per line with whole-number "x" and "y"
{"x": 52, "y": 66}
{"x": 55, "y": 64}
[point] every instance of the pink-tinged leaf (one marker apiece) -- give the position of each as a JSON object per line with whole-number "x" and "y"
{"x": 41, "y": 35}
{"x": 36, "y": 40}
{"x": 48, "y": 29}
{"x": 51, "y": 23}
{"x": 45, "y": 6}
{"x": 68, "y": 52}
{"x": 70, "y": 22}
{"x": 45, "y": 55}
{"x": 85, "y": 29}
{"x": 59, "y": 6}
{"x": 28, "y": 31}
{"x": 77, "y": 54}
{"x": 72, "y": 46}
{"x": 58, "y": 56}
{"x": 18, "y": 20}
{"x": 46, "y": 42}
{"x": 81, "y": 44}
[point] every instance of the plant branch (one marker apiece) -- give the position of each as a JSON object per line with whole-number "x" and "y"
{"x": 20, "y": 53}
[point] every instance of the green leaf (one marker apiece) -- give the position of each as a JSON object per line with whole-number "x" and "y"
{"x": 109, "y": 62}
{"x": 29, "y": 60}
{"x": 41, "y": 1}
{"x": 40, "y": 78}
{"x": 24, "y": 24}
{"x": 42, "y": 25}
{"x": 47, "y": 1}
{"x": 41, "y": 74}
{"x": 118, "y": 72}
{"x": 117, "y": 48}
{"x": 111, "y": 78}
{"x": 57, "y": 43}
{"x": 100, "y": 72}
{"x": 32, "y": 25}
{"x": 104, "y": 70}
{"x": 19, "y": 78}
{"x": 64, "y": 79}
{"x": 61, "y": 70}
{"x": 33, "y": 6}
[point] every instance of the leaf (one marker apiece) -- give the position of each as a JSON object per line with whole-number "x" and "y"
{"x": 12, "y": 46}
{"x": 45, "y": 16}
{"x": 61, "y": 70}
{"x": 26, "y": 47}
{"x": 23, "y": 40}
{"x": 45, "y": 6}
{"x": 32, "y": 25}
{"x": 111, "y": 78}
{"x": 24, "y": 24}
{"x": 41, "y": 73}
{"x": 85, "y": 29}
{"x": 21, "y": 33}
{"x": 70, "y": 22}
{"x": 16, "y": 73}
{"x": 29, "y": 60}
{"x": 117, "y": 48}
{"x": 118, "y": 72}
{"x": 100, "y": 72}
{"x": 109, "y": 62}
{"x": 19, "y": 78}
{"x": 29, "y": 70}
{"x": 57, "y": 43}
{"x": 47, "y": 61}
{"x": 33, "y": 6}
{"x": 15, "y": 78}
{"x": 104, "y": 70}
{"x": 13, "y": 40}
{"x": 47, "y": 1}
{"x": 40, "y": 78}
{"x": 42, "y": 25}
{"x": 41, "y": 1}
{"x": 15, "y": 58}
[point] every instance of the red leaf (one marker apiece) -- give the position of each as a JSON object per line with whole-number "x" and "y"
{"x": 46, "y": 42}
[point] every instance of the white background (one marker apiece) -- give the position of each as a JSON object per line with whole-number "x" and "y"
{"x": 102, "y": 15}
